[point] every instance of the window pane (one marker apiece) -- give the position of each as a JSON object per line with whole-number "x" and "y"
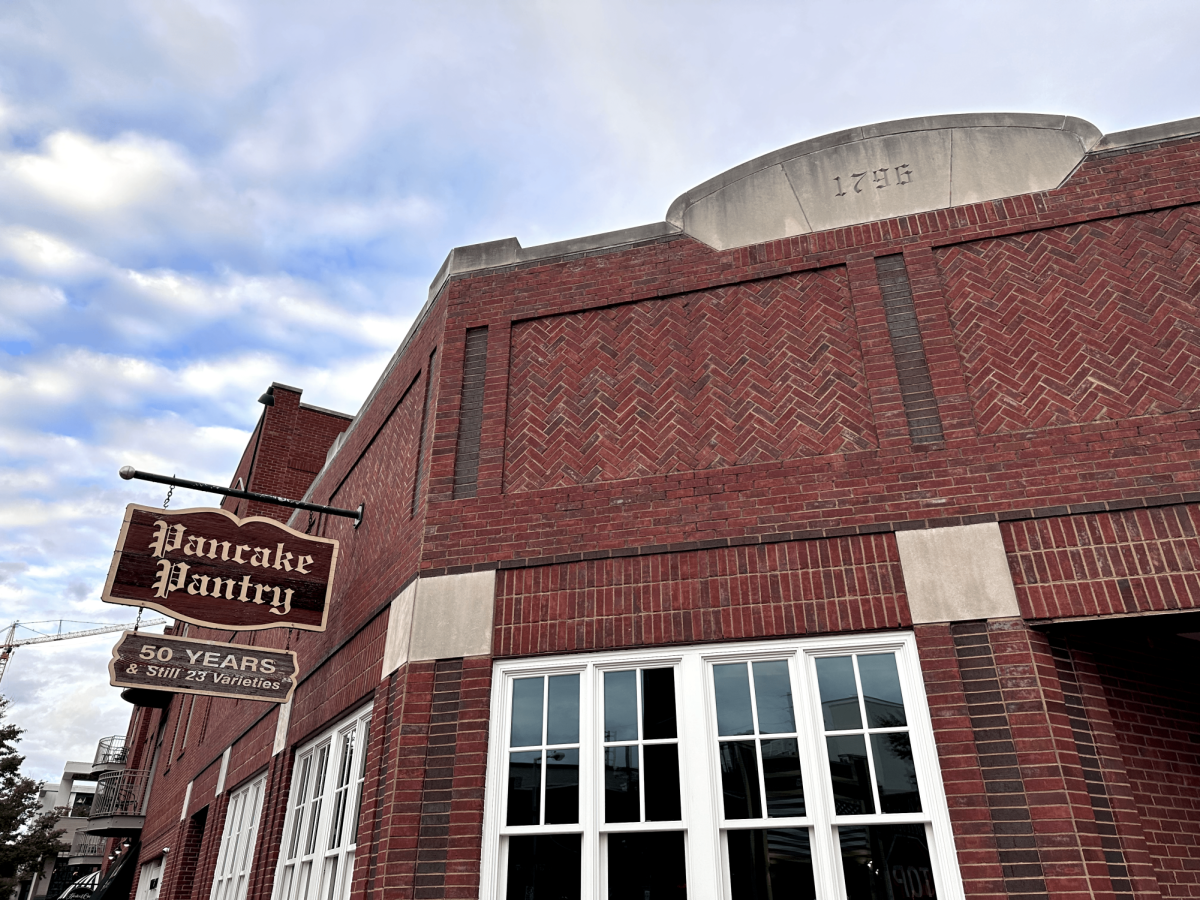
{"x": 527, "y": 712}
{"x": 562, "y": 787}
{"x": 544, "y": 867}
{"x": 621, "y": 803}
{"x": 773, "y": 695}
{"x": 662, "y": 783}
{"x": 647, "y": 865}
{"x": 562, "y": 721}
{"x": 732, "y": 687}
{"x": 881, "y": 690}
{"x": 620, "y": 706}
{"x": 839, "y": 696}
{"x": 772, "y": 864}
{"x": 781, "y": 774}
{"x": 882, "y": 862}
{"x": 524, "y": 787}
{"x": 851, "y": 775}
{"x": 658, "y": 703}
{"x": 895, "y": 773}
{"x": 739, "y": 780}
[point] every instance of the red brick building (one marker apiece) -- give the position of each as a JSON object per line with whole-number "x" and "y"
{"x": 837, "y": 536}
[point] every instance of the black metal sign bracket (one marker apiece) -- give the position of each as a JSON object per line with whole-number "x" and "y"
{"x": 129, "y": 472}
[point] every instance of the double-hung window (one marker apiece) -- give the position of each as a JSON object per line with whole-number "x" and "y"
{"x": 236, "y": 857}
{"x": 768, "y": 771}
{"x": 320, "y": 835}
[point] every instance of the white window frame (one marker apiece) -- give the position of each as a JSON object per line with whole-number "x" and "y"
{"x": 235, "y": 860}
{"x": 325, "y": 872}
{"x": 700, "y": 777}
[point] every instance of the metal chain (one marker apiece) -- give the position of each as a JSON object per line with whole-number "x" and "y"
{"x": 170, "y": 491}
{"x": 138, "y": 623}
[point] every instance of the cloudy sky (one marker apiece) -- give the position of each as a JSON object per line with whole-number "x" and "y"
{"x": 199, "y": 197}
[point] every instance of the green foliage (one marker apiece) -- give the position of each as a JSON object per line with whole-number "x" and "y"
{"x": 27, "y": 835}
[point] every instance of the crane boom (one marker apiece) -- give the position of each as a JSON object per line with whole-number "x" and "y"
{"x": 9, "y": 644}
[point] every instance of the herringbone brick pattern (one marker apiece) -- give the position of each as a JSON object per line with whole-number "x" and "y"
{"x": 1079, "y": 324}
{"x": 730, "y": 593}
{"x": 759, "y": 372}
{"x": 1143, "y": 560}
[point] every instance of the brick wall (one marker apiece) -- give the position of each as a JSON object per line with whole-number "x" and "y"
{"x": 804, "y": 587}
{"x": 615, "y": 489}
{"x": 753, "y": 373}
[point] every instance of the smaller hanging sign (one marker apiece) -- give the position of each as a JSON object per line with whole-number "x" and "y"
{"x": 208, "y": 567}
{"x": 188, "y": 666}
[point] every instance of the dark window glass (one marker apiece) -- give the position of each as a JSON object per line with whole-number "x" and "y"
{"x": 646, "y": 865}
{"x": 773, "y": 696}
{"x": 881, "y": 690}
{"x": 851, "y": 776}
{"x": 545, "y": 867}
{"x": 524, "y": 787}
{"x": 771, "y": 864}
{"x": 527, "y": 712}
{"x": 739, "y": 780}
{"x": 662, "y": 782}
{"x": 621, "y": 803}
{"x": 562, "y": 720}
{"x": 562, "y": 787}
{"x": 895, "y": 773}
{"x": 886, "y": 862}
{"x": 732, "y": 687}
{"x": 620, "y": 706}
{"x": 658, "y": 703}
{"x": 781, "y": 777}
{"x": 839, "y": 695}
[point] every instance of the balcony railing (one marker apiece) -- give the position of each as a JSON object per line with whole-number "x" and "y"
{"x": 120, "y": 793}
{"x": 87, "y": 844}
{"x": 110, "y": 751}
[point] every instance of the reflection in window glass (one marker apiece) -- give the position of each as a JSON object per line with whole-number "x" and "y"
{"x": 895, "y": 773}
{"x": 851, "y": 776}
{"x": 739, "y": 780}
{"x": 771, "y": 864}
{"x": 662, "y": 783}
{"x": 544, "y": 867}
{"x": 781, "y": 777}
{"x": 620, "y": 706}
{"x": 647, "y": 865}
{"x": 621, "y": 777}
{"x": 524, "y": 787}
{"x": 733, "y": 699}
{"x": 881, "y": 691}
{"x": 562, "y": 720}
{"x": 527, "y": 712}
{"x": 886, "y": 862}
{"x": 658, "y": 704}
{"x": 839, "y": 693}
{"x": 562, "y": 786}
{"x": 773, "y": 697}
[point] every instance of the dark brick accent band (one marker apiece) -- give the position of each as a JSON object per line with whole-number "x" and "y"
{"x": 422, "y": 437}
{"x": 814, "y": 534}
{"x": 916, "y": 387}
{"x": 470, "y": 414}
{"x": 433, "y": 840}
{"x": 1089, "y": 761}
{"x": 1008, "y": 803}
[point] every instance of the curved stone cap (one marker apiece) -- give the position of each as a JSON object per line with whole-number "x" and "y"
{"x": 881, "y": 171}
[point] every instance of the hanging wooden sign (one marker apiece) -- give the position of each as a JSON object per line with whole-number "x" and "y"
{"x": 188, "y": 666}
{"x": 209, "y": 567}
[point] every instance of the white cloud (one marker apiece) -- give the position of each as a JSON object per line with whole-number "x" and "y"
{"x": 90, "y": 176}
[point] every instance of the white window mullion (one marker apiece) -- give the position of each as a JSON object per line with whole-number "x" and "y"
{"x": 700, "y": 786}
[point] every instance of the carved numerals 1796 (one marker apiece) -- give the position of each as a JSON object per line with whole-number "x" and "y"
{"x": 900, "y": 174}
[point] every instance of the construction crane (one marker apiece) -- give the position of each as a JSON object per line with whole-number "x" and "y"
{"x": 11, "y": 642}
